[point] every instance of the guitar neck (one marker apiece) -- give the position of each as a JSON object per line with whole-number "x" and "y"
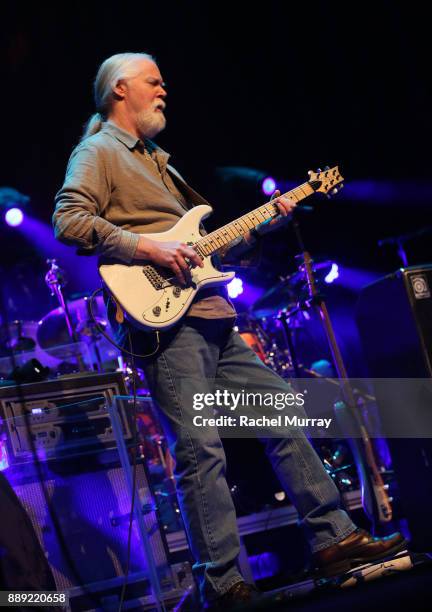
{"x": 210, "y": 243}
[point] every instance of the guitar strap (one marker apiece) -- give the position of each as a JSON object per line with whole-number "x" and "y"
{"x": 193, "y": 198}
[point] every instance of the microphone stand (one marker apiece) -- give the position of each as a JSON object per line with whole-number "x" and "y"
{"x": 55, "y": 280}
{"x": 284, "y": 317}
{"x": 375, "y": 500}
{"x": 399, "y": 242}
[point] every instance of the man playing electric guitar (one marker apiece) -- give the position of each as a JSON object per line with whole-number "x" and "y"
{"x": 118, "y": 191}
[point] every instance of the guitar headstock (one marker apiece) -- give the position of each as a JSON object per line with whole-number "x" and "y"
{"x": 327, "y": 181}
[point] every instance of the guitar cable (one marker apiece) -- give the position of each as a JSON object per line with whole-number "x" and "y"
{"x": 108, "y": 337}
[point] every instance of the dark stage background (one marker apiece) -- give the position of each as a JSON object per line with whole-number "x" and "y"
{"x": 279, "y": 87}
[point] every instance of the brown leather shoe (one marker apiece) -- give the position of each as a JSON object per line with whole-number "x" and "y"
{"x": 240, "y": 596}
{"x": 358, "y": 548}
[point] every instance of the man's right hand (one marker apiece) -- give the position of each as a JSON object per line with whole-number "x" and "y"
{"x": 176, "y": 256}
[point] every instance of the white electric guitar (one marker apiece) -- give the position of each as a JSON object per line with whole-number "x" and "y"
{"x": 151, "y": 298}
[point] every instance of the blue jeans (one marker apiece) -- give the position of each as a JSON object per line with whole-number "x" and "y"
{"x": 205, "y": 350}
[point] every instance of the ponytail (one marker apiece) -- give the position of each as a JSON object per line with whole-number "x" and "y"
{"x": 93, "y": 126}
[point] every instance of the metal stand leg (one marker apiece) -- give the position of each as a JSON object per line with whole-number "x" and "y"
{"x": 127, "y": 468}
{"x": 370, "y": 476}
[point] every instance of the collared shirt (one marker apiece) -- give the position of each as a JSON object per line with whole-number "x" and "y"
{"x": 117, "y": 187}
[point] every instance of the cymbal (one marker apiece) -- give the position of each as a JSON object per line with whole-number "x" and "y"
{"x": 21, "y": 338}
{"x": 53, "y": 332}
{"x": 287, "y": 292}
{"x": 276, "y": 298}
{"x": 321, "y": 269}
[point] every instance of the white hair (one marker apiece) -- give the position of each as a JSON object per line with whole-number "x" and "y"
{"x": 114, "y": 68}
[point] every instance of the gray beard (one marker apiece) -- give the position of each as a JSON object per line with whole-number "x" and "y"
{"x": 150, "y": 123}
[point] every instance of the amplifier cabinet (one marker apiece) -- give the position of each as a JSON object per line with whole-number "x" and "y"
{"x": 394, "y": 318}
{"x": 76, "y": 495}
{"x": 60, "y": 418}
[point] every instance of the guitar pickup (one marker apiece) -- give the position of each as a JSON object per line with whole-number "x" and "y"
{"x": 156, "y": 278}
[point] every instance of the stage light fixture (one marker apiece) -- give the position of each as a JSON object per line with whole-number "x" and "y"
{"x": 235, "y": 287}
{"x": 14, "y": 217}
{"x": 333, "y": 274}
{"x": 12, "y": 201}
{"x": 268, "y": 185}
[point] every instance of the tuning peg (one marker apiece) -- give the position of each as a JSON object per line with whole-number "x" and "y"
{"x": 319, "y": 170}
{"x": 327, "y": 168}
{"x": 334, "y": 191}
{"x": 310, "y": 172}
{"x": 341, "y": 186}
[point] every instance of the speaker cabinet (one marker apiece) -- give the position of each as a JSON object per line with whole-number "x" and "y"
{"x": 74, "y": 490}
{"x": 394, "y": 318}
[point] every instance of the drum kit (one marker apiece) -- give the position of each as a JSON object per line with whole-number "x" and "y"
{"x": 48, "y": 341}
{"x": 275, "y": 320}
{"x": 66, "y": 340}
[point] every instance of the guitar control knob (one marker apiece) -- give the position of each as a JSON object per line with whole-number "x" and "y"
{"x": 156, "y": 311}
{"x": 176, "y": 291}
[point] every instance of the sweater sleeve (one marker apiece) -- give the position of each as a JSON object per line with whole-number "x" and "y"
{"x": 80, "y": 203}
